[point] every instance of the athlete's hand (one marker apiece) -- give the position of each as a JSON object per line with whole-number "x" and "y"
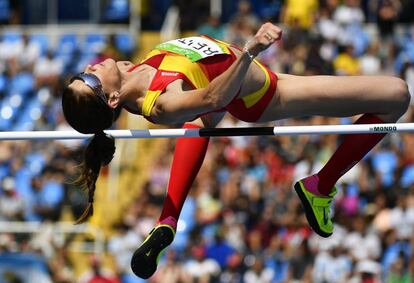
{"x": 265, "y": 36}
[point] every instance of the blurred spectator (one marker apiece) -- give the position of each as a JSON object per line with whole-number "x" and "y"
{"x": 300, "y": 263}
{"x": 299, "y": 13}
{"x": 239, "y": 32}
{"x": 370, "y": 62}
{"x": 327, "y": 26}
{"x": 189, "y": 19}
{"x": 332, "y": 263}
{"x": 328, "y": 52}
{"x": 10, "y": 46}
{"x": 209, "y": 206}
{"x": 23, "y": 267}
{"x": 270, "y": 10}
{"x": 61, "y": 268}
{"x": 402, "y": 217}
{"x": 171, "y": 270}
{"x": 388, "y": 12}
{"x": 219, "y": 250}
{"x": 11, "y": 203}
{"x": 367, "y": 271}
{"x": 212, "y": 27}
{"x": 112, "y": 50}
{"x": 348, "y": 202}
{"x": 109, "y": 50}
{"x": 158, "y": 180}
{"x": 345, "y": 63}
{"x": 97, "y": 273}
{"x": 122, "y": 245}
{"x": 382, "y": 212}
{"x": 45, "y": 201}
{"x": 349, "y": 12}
{"x": 258, "y": 273}
{"x": 298, "y": 59}
{"x": 399, "y": 271}
{"x": 47, "y": 71}
{"x": 395, "y": 248}
{"x": 329, "y": 5}
{"x": 29, "y": 52}
{"x": 235, "y": 231}
{"x": 362, "y": 242}
{"x": 232, "y": 273}
{"x": 314, "y": 63}
{"x": 200, "y": 268}
{"x": 276, "y": 256}
{"x": 242, "y": 25}
{"x": 245, "y": 14}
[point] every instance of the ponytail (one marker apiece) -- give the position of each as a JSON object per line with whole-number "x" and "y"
{"x": 98, "y": 153}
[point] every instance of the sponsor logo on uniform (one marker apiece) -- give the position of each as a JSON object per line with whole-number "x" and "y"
{"x": 169, "y": 74}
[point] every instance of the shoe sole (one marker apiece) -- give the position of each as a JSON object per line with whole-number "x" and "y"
{"x": 313, "y": 223}
{"x": 144, "y": 260}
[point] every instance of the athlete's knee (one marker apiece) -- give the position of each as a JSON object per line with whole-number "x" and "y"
{"x": 401, "y": 95}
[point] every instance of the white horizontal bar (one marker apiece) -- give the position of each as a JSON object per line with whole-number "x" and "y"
{"x": 118, "y": 134}
{"x": 345, "y": 129}
{"x": 176, "y": 133}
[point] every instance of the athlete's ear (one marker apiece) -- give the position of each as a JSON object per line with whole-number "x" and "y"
{"x": 113, "y": 99}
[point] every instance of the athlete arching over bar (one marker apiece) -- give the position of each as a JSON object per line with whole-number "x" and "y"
{"x": 193, "y": 81}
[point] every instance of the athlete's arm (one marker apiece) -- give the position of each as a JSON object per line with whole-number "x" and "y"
{"x": 180, "y": 106}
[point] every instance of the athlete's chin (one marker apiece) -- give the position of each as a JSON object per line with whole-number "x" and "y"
{"x": 109, "y": 61}
{"x": 124, "y": 66}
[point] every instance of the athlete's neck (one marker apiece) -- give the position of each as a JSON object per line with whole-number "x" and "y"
{"x": 135, "y": 85}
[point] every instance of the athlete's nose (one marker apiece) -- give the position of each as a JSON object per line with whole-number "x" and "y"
{"x": 90, "y": 68}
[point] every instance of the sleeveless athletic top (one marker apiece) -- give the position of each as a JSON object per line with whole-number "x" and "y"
{"x": 198, "y": 60}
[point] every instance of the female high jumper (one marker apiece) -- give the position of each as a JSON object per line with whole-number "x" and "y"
{"x": 193, "y": 82}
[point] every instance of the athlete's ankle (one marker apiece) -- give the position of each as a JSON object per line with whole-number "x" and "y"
{"x": 324, "y": 187}
{"x": 170, "y": 221}
{"x": 314, "y": 185}
{"x": 311, "y": 184}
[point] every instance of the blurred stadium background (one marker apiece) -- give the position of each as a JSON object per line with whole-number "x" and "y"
{"x": 242, "y": 222}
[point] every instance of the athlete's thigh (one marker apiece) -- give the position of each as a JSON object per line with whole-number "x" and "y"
{"x": 337, "y": 96}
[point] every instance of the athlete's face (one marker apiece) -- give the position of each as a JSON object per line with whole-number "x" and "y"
{"x": 108, "y": 73}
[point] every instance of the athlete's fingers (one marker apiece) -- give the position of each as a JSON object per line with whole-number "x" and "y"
{"x": 274, "y": 34}
{"x": 273, "y": 31}
{"x": 265, "y": 36}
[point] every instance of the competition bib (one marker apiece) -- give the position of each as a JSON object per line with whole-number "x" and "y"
{"x": 194, "y": 48}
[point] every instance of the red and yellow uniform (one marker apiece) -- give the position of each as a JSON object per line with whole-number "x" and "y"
{"x": 174, "y": 63}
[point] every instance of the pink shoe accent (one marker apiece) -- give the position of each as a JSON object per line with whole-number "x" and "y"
{"x": 170, "y": 221}
{"x": 311, "y": 184}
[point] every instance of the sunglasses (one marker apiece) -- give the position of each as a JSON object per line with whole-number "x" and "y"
{"x": 93, "y": 83}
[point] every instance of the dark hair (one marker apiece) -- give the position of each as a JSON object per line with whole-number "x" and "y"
{"x": 89, "y": 116}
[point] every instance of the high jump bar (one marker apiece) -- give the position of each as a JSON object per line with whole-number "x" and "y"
{"x": 217, "y": 132}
